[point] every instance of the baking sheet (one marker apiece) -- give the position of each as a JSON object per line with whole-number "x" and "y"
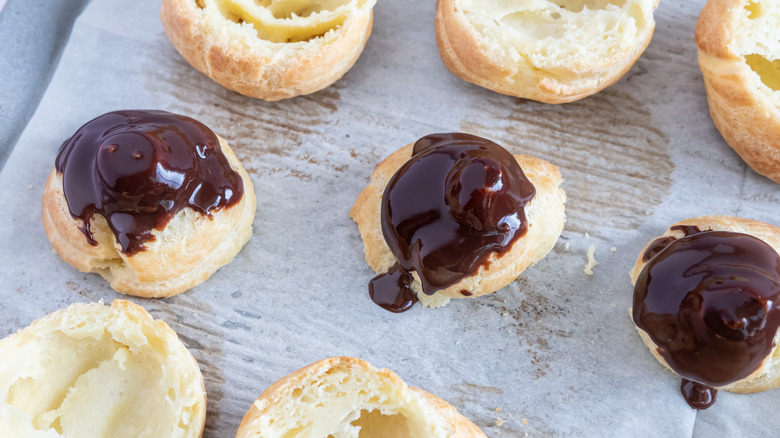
{"x": 554, "y": 351}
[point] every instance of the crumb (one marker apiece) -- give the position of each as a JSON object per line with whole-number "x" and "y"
{"x": 587, "y": 235}
{"x": 498, "y": 409}
{"x": 591, "y": 260}
{"x": 613, "y": 305}
{"x": 30, "y": 187}
{"x": 613, "y": 249}
{"x": 524, "y": 421}
{"x": 505, "y": 314}
{"x": 195, "y": 314}
{"x": 566, "y": 245}
{"x": 499, "y": 422}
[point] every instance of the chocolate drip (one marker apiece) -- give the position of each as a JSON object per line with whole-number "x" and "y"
{"x": 709, "y": 300}
{"x": 459, "y": 199}
{"x": 139, "y": 168}
{"x": 392, "y": 290}
{"x": 698, "y": 396}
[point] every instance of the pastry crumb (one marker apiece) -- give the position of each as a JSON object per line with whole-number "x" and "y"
{"x": 499, "y": 422}
{"x": 591, "y": 260}
{"x": 30, "y": 186}
{"x": 566, "y": 245}
{"x": 524, "y": 421}
{"x": 613, "y": 249}
{"x": 498, "y": 409}
{"x": 613, "y": 305}
{"x": 505, "y": 314}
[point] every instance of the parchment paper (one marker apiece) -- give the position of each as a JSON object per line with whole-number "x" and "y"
{"x": 555, "y": 351}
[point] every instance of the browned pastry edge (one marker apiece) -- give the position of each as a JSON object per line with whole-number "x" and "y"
{"x": 261, "y": 71}
{"x": 437, "y": 413}
{"x": 741, "y": 106}
{"x": 466, "y": 54}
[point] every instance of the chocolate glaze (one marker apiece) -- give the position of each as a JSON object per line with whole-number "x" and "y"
{"x": 709, "y": 301}
{"x": 139, "y": 168}
{"x": 459, "y": 199}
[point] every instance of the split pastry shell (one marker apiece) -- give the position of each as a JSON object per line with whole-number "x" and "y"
{"x": 98, "y": 371}
{"x": 273, "y": 49}
{"x": 739, "y": 57}
{"x": 552, "y": 51}
{"x": 345, "y": 397}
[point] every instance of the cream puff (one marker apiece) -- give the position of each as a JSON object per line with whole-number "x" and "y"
{"x": 455, "y": 215}
{"x": 707, "y": 305}
{"x": 152, "y": 201}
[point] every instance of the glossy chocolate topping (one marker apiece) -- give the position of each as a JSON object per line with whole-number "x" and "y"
{"x": 459, "y": 199}
{"x": 697, "y": 395}
{"x": 139, "y": 168}
{"x": 392, "y": 290}
{"x": 709, "y": 300}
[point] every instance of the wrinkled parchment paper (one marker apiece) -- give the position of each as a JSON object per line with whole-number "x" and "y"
{"x": 553, "y": 354}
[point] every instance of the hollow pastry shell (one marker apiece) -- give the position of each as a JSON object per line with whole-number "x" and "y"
{"x": 327, "y": 397}
{"x": 236, "y": 57}
{"x": 553, "y": 54}
{"x": 744, "y": 108}
{"x": 98, "y": 371}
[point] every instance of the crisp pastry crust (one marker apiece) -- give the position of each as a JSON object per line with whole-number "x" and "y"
{"x": 183, "y": 255}
{"x": 345, "y": 397}
{"x": 269, "y": 50}
{"x": 552, "y": 51}
{"x": 98, "y": 371}
{"x": 739, "y": 56}
{"x": 768, "y": 375}
{"x": 545, "y": 216}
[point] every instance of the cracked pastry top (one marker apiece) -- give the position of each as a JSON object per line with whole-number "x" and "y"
{"x": 152, "y": 201}
{"x": 98, "y": 371}
{"x": 454, "y": 215}
{"x": 269, "y": 49}
{"x": 739, "y": 56}
{"x": 552, "y": 51}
